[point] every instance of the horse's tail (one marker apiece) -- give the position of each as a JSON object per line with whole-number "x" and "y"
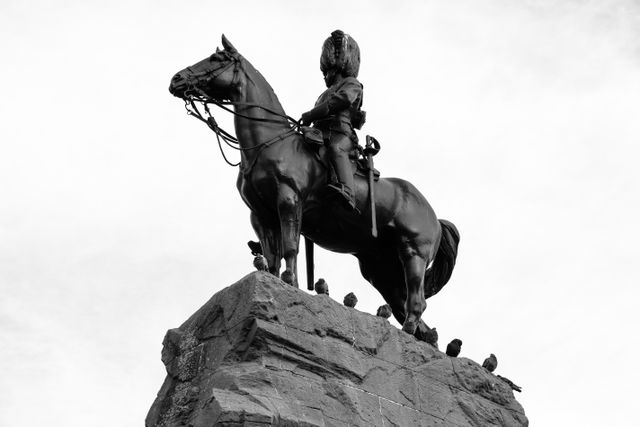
{"x": 440, "y": 272}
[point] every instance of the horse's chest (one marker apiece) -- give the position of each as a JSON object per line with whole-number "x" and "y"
{"x": 259, "y": 192}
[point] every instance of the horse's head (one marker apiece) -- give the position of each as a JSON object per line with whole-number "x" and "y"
{"x": 216, "y": 76}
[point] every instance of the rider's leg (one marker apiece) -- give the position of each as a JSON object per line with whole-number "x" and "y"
{"x": 340, "y": 147}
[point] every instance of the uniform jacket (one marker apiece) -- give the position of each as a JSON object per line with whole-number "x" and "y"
{"x": 343, "y": 100}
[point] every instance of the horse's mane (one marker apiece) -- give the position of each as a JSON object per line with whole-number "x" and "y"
{"x": 258, "y": 80}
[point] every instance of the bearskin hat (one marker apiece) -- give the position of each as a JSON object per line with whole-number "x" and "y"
{"x": 340, "y": 51}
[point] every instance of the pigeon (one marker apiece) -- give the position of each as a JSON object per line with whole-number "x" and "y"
{"x": 350, "y": 300}
{"x": 260, "y": 263}
{"x": 255, "y": 247}
{"x": 490, "y": 363}
{"x": 321, "y": 287}
{"x": 453, "y": 348}
{"x": 431, "y": 337}
{"x": 511, "y": 384}
{"x": 384, "y": 311}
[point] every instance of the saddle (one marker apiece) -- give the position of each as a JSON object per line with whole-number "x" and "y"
{"x": 314, "y": 139}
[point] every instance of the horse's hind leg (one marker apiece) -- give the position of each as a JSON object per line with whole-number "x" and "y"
{"x": 385, "y": 272}
{"x": 290, "y": 212}
{"x": 414, "y": 258}
{"x": 270, "y": 241}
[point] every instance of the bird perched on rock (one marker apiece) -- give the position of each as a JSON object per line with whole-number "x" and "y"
{"x": 431, "y": 337}
{"x": 350, "y": 300}
{"x": 384, "y": 311}
{"x": 321, "y": 287}
{"x": 260, "y": 263}
{"x": 490, "y": 363}
{"x": 511, "y": 384}
{"x": 453, "y": 348}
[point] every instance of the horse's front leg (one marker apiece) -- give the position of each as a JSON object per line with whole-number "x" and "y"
{"x": 290, "y": 213}
{"x": 270, "y": 241}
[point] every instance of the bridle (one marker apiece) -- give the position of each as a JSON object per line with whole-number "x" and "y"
{"x": 193, "y": 94}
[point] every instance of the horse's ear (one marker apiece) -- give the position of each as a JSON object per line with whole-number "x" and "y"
{"x": 227, "y": 45}
{"x": 218, "y": 50}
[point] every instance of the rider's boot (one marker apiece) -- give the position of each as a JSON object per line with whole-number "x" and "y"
{"x": 344, "y": 171}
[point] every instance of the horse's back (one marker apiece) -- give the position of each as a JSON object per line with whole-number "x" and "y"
{"x": 401, "y": 206}
{"x": 402, "y": 212}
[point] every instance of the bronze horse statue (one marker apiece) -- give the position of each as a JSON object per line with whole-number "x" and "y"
{"x": 283, "y": 181}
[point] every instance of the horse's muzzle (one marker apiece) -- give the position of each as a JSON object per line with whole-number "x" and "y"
{"x": 178, "y": 86}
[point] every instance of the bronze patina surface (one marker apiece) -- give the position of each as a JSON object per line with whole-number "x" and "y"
{"x": 285, "y": 183}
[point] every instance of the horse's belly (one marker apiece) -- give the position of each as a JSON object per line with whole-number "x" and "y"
{"x": 337, "y": 230}
{"x": 343, "y": 244}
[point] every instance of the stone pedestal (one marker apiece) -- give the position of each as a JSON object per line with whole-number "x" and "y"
{"x": 262, "y": 353}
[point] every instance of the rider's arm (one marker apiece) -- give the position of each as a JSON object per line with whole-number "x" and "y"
{"x": 318, "y": 112}
{"x": 349, "y": 93}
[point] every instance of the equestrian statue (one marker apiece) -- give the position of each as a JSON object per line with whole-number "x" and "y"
{"x": 317, "y": 181}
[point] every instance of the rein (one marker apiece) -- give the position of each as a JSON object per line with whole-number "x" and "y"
{"x": 194, "y": 94}
{"x": 228, "y": 138}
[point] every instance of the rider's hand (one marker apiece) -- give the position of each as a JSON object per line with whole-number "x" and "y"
{"x": 318, "y": 112}
{"x": 305, "y": 120}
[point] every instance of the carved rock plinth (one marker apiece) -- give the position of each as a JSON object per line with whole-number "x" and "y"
{"x": 262, "y": 353}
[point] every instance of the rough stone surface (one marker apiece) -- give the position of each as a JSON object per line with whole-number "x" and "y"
{"x": 263, "y": 353}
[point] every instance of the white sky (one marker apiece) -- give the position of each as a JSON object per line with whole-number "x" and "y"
{"x": 517, "y": 120}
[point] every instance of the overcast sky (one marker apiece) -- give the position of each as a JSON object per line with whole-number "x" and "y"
{"x": 118, "y": 217}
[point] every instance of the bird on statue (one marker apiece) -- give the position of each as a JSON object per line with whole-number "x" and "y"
{"x": 255, "y": 247}
{"x": 384, "y": 311}
{"x": 350, "y": 300}
{"x": 321, "y": 287}
{"x": 453, "y": 348}
{"x": 259, "y": 261}
{"x": 511, "y": 384}
{"x": 490, "y": 363}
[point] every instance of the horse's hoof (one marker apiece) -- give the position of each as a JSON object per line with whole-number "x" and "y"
{"x": 409, "y": 327}
{"x": 287, "y": 277}
{"x": 427, "y": 334}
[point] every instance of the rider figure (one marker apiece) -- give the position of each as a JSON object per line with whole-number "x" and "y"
{"x": 337, "y": 111}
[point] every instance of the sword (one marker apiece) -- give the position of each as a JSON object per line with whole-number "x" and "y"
{"x": 371, "y": 149}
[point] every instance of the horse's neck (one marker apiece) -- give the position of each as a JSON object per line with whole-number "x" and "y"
{"x": 251, "y": 132}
